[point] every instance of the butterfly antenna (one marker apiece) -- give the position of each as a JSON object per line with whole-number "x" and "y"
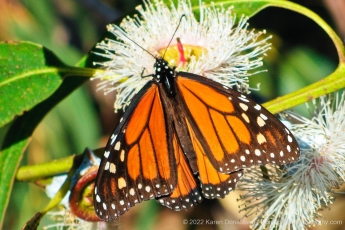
{"x": 139, "y": 45}
{"x": 178, "y": 25}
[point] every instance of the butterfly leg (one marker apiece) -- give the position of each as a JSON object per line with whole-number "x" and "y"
{"x": 143, "y": 76}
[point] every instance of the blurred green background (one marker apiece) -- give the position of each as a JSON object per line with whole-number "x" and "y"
{"x": 301, "y": 54}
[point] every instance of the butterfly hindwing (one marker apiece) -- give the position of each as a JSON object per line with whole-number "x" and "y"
{"x": 213, "y": 183}
{"x": 186, "y": 193}
{"x": 138, "y": 163}
{"x": 233, "y": 130}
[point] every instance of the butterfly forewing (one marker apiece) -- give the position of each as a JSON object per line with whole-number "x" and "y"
{"x": 138, "y": 163}
{"x": 233, "y": 130}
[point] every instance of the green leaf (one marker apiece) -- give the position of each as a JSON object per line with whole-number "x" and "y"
{"x": 29, "y": 73}
{"x": 21, "y": 129}
{"x": 18, "y": 137}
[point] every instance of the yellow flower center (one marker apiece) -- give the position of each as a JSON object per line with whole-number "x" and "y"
{"x": 173, "y": 57}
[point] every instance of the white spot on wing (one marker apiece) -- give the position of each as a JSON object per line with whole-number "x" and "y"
{"x": 122, "y": 155}
{"x": 243, "y": 98}
{"x": 112, "y": 168}
{"x": 261, "y": 139}
{"x": 289, "y": 138}
{"x": 117, "y": 146}
{"x": 113, "y": 137}
{"x": 244, "y": 106}
{"x": 106, "y": 167}
{"x": 257, "y": 152}
{"x": 245, "y": 117}
{"x": 121, "y": 183}
{"x": 260, "y": 121}
{"x": 263, "y": 116}
{"x": 106, "y": 154}
{"x": 257, "y": 107}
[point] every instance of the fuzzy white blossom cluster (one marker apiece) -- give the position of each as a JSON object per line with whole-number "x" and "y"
{"x": 289, "y": 197}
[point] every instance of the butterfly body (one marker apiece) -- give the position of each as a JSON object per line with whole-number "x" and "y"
{"x": 185, "y": 137}
{"x": 165, "y": 74}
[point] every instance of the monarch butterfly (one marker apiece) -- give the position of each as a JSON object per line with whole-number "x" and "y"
{"x": 182, "y": 138}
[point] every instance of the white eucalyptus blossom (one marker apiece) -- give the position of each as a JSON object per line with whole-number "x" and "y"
{"x": 218, "y": 47}
{"x": 289, "y": 197}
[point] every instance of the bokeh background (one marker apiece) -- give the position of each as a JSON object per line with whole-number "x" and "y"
{"x": 301, "y": 54}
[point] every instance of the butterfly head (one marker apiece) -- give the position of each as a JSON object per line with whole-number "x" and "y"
{"x": 165, "y": 74}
